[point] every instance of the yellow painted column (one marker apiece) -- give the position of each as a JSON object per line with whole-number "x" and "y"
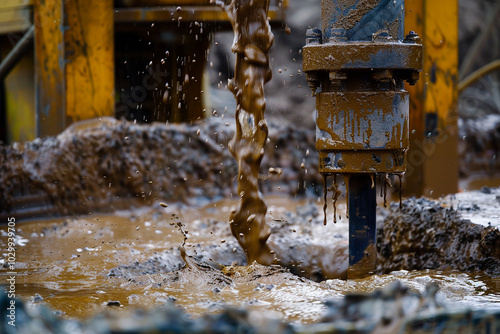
{"x": 433, "y": 156}
{"x": 89, "y": 59}
{"x": 20, "y": 104}
{"x": 49, "y": 69}
{"x": 74, "y": 44}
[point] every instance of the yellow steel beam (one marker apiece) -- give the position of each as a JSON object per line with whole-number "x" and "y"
{"x": 433, "y": 156}
{"x": 74, "y": 62}
{"x": 89, "y": 59}
{"x": 19, "y": 102}
{"x": 49, "y": 73}
{"x": 15, "y": 15}
{"x": 184, "y": 13}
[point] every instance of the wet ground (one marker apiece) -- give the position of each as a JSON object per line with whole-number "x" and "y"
{"x": 132, "y": 259}
{"x": 129, "y": 259}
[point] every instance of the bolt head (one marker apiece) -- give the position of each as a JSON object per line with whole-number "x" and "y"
{"x": 313, "y": 36}
{"x": 412, "y": 37}
{"x": 338, "y": 35}
{"x": 382, "y": 36}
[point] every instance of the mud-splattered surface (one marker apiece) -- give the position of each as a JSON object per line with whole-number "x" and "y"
{"x": 131, "y": 259}
{"x": 429, "y": 234}
{"x": 252, "y": 41}
{"x": 100, "y": 164}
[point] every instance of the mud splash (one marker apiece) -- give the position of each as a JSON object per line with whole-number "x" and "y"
{"x": 252, "y": 40}
{"x": 132, "y": 259}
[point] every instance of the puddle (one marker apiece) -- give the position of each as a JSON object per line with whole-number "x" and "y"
{"x": 65, "y": 264}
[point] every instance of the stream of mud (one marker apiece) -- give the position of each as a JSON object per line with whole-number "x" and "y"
{"x": 252, "y": 40}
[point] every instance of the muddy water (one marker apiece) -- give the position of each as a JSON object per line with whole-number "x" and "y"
{"x": 252, "y": 40}
{"x": 77, "y": 266}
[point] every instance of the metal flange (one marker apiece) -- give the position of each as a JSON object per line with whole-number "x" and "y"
{"x": 363, "y": 55}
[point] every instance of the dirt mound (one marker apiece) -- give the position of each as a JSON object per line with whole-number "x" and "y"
{"x": 428, "y": 234}
{"x": 95, "y": 165}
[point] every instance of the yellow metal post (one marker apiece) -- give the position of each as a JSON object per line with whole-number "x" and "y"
{"x": 49, "y": 73}
{"x": 15, "y": 23}
{"x": 74, "y": 62}
{"x": 89, "y": 59}
{"x": 433, "y": 155}
{"x": 19, "y": 101}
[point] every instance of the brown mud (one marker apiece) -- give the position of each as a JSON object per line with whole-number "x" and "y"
{"x": 101, "y": 164}
{"x": 252, "y": 40}
{"x": 133, "y": 259}
{"x": 428, "y": 234}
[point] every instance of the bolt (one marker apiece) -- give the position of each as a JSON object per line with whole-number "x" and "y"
{"x": 412, "y": 37}
{"x": 313, "y": 36}
{"x": 313, "y": 82}
{"x": 337, "y": 75}
{"x": 382, "y": 36}
{"x": 338, "y": 35}
{"x": 412, "y": 78}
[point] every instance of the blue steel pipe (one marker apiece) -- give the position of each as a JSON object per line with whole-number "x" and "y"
{"x": 362, "y": 18}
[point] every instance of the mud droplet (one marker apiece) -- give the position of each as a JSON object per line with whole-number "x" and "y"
{"x": 325, "y": 193}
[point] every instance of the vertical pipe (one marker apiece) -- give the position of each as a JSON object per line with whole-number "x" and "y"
{"x": 362, "y": 226}
{"x": 49, "y": 73}
{"x": 360, "y": 19}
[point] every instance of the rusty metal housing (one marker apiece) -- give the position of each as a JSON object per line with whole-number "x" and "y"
{"x": 362, "y": 106}
{"x": 356, "y": 66}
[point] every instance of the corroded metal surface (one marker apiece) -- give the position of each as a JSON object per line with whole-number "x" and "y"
{"x": 356, "y": 65}
{"x": 368, "y": 161}
{"x": 360, "y": 19}
{"x": 49, "y": 75}
{"x": 88, "y": 59}
{"x": 362, "y": 55}
{"x": 433, "y": 104}
{"x": 362, "y": 120}
{"x": 367, "y": 133}
{"x": 74, "y": 62}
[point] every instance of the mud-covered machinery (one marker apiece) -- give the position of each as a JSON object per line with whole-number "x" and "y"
{"x": 356, "y": 66}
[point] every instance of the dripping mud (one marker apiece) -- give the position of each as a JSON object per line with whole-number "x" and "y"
{"x": 252, "y": 40}
{"x": 158, "y": 254}
{"x": 133, "y": 258}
